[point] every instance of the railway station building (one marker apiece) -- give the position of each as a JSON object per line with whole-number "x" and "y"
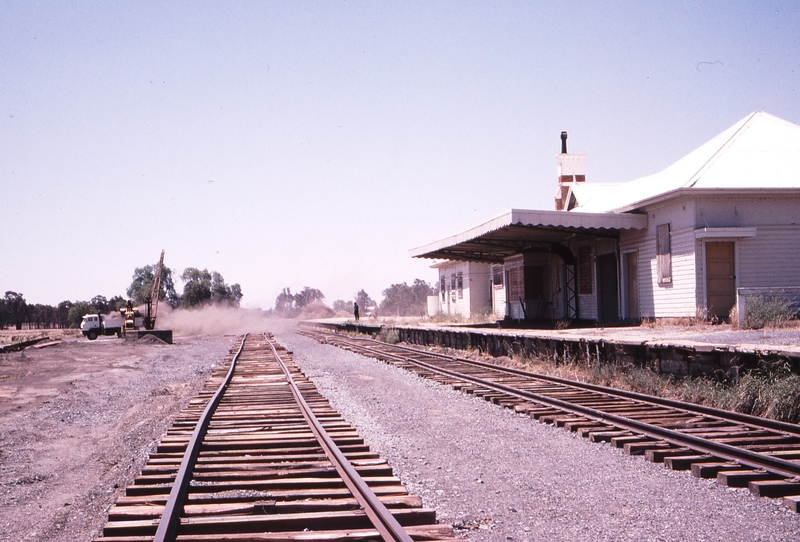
{"x": 470, "y": 288}
{"x": 688, "y": 241}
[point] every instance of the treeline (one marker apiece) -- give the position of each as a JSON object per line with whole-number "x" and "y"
{"x": 201, "y": 288}
{"x": 398, "y": 300}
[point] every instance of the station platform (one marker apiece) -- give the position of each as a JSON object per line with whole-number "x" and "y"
{"x": 692, "y": 350}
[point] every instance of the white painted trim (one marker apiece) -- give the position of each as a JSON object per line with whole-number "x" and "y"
{"x": 724, "y": 233}
{"x": 524, "y": 217}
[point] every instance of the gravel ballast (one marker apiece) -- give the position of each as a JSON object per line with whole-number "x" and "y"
{"x": 497, "y": 475}
{"x": 77, "y": 422}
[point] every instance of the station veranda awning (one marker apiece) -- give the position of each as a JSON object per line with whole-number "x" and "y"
{"x": 520, "y": 231}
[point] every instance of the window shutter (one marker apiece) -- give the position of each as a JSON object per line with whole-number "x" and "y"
{"x": 663, "y": 254}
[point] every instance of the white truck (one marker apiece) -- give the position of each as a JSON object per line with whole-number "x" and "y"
{"x": 94, "y": 325}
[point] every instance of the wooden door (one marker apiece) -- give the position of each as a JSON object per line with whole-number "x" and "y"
{"x": 607, "y": 293}
{"x": 720, "y": 279}
{"x": 632, "y": 261}
{"x": 516, "y": 293}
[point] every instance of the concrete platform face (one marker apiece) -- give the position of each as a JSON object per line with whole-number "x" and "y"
{"x": 676, "y": 350}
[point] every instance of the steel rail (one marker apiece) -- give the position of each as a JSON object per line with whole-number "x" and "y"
{"x": 742, "y": 456}
{"x": 170, "y": 518}
{"x": 786, "y": 427}
{"x": 383, "y": 520}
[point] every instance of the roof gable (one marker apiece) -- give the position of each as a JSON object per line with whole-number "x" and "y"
{"x": 759, "y": 151}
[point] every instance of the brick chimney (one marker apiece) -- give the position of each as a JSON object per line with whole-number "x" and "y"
{"x": 571, "y": 169}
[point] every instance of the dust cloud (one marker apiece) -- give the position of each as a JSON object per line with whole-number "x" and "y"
{"x": 217, "y": 320}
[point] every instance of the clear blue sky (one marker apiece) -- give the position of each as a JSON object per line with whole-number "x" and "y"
{"x": 313, "y": 143}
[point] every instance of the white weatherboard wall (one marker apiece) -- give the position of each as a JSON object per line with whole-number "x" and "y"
{"x": 777, "y": 245}
{"x": 499, "y": 301}
{"x": 765, "y": 231}
{"x": 480, "y": 288}
{"x": 474, "y": 298}
{"x": 677, "y": 298}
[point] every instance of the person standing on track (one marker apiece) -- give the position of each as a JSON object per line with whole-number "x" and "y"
{"x": 355, "y": 311}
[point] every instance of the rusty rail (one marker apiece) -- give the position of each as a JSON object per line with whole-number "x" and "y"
{"x": 739, "y": 450}
{"x": 170, "y": 519}
{"x": 379, "y": 515}
{"x": 268, "y": 459}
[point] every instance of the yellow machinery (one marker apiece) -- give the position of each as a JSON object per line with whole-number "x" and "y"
{"x": 134, "y": 319}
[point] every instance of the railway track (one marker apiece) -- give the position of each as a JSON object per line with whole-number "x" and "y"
{"x": 736, "y": 449}
{"x": 260, "y": 455}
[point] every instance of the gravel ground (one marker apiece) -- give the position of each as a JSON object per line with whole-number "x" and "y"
{"x": 77, "y": 422}
{"x": 503, "y": 476}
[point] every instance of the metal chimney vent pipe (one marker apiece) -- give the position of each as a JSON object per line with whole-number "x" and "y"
{"x": 563, "y": 142}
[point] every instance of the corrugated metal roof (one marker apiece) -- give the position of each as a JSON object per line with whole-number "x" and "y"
{"x": 520, "y": 229}
{"x": 759, "y": 151}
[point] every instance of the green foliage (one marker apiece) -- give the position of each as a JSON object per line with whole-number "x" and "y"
{"x": 62, "y": 313}
{"x": 307, "y": 296}
{"x": 388, "y": 335}
{"x": 365, "y": 302}
{"x": 15, "y": 309}
{"x": 142, "y": 285}
{"x": 197, "y": 290}
{"x": 76, "y": 312}
{"x": 345, "y": 306}
{"x": 114, "y": 304}
{"x": 284, "y": 303}
{"x": 289, "y": 305}
{"x": 207, "y": 288}
{"x": 404, "y": 300}
{"x": 768, "y": 311}
{"x": 770, "y": 390}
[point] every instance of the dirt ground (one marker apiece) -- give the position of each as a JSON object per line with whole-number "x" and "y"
{"x": 77, "y": 421}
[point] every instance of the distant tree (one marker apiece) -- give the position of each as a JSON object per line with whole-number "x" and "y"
{"x": 142, "y": 286}
{"x": 307, "y": 296}
{"x": 16, "y": 309}
{"x": 204, "y": 287}
{"x": 104, "y": 306}
{"x": 34, "y": 316}
{"x": 76, "y": 312}
{"x": 45, "y": 316}
{"x": 341, "y": 305}
{"x": 284, "y": 303}
{"x": 197, "y": 290}
{"x": 62, "y": 313}
{"x": 100, "y": 304}
{"x": 115, "y": 303}
{"x": 365, "y": 302}
{"x": 39, "y": 316}
{"x": 404, "y": 300}
{"x": 222, "y": 294}
{"x": 420, "y": 291}
{"x": 236, "y": 292}
{"x": 3, "y": 315}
